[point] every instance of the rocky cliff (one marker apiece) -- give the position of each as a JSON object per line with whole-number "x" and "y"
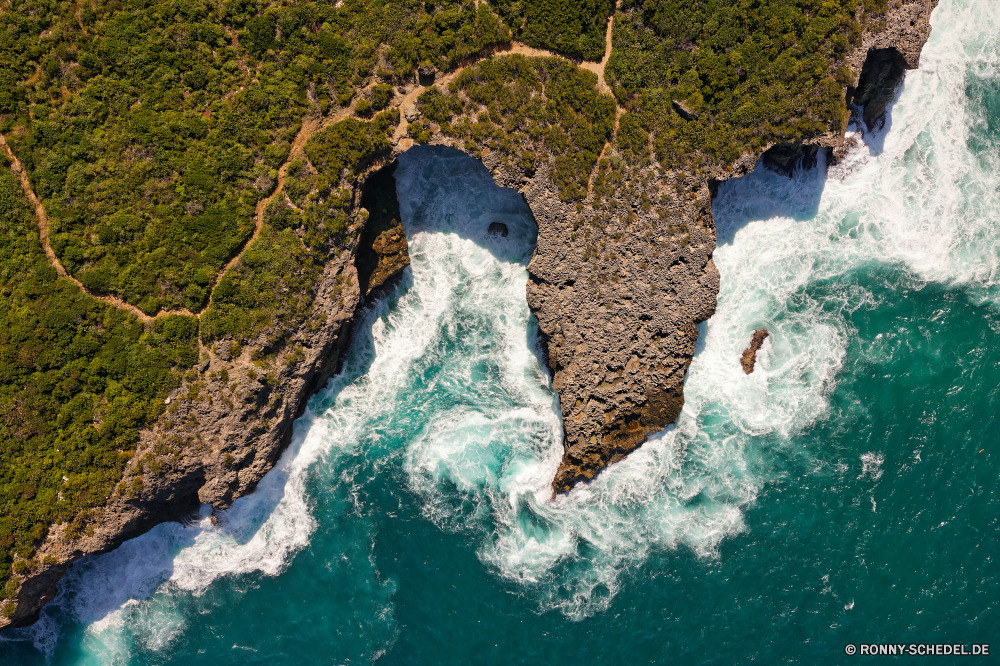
{"x": 224, "y": 430}
{"x": 619, "y": 283}
{"x": 618, "y": 302}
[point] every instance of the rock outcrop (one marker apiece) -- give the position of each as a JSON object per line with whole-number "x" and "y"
{"x": 888, "y": 48}
{"x": 618, "y": 289}
{"x": 881, "y": 75}
{"x": 497, "y": 229}
{"x": 382, "y": 249}
{"x": 749, "y": 357}
{"x": 620, "y": 339}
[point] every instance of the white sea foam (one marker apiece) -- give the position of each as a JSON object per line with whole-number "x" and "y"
{"x": 484, "y": 463}
{"x": 448, "y": 384}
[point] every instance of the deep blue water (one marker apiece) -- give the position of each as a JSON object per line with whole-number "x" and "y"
{"x": 845, "y": 492}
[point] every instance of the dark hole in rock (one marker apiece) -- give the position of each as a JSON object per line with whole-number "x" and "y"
{"x": 497, "y": 229}
{"x": 783, "y": 157}
{"x": 881, "y": 73}
{"x": 684, "y": 111}
{"x": 425, "y": 75}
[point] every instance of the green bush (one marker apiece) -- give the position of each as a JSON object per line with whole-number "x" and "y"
{"x": 78, "y": 380}
{"x": 363, "y": 108}
{"x": 272, "y": 287}
{"x": 753, "y": 71}
{"x": 437, "y": 106}
{"x": 149, "y": 132}
{"x": 380, "y": 96}
{"x": 529, "y": 105}
{"x": 574, "y": 27}
{"x": 147, "y": 145}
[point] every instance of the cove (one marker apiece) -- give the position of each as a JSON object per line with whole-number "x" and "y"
{"x": 845, "y": 492}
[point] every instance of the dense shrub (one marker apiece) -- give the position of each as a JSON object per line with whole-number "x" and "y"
{"x": 149, "y": 129}
{"x": 574, "y": 27}
{"x": 753, "y": 71}
{"x": 437, "y": 106}
{"x": 380, "y": 96}
{"x": 520, "y": 106}
{"x": 271, "y": 288}
{"x": 78, "y": 380}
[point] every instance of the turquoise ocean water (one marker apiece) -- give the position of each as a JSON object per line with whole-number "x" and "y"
{"x": 846, "y": 492}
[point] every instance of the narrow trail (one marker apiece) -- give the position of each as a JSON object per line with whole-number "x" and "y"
{"x": 311, "y": 124}
{"x": 43, "y": 234}
{"x": 519, "y": 49}
{"x": 598, "y": 67}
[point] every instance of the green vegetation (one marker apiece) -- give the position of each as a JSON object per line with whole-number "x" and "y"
{"x": 380, "y": 96}
{"x": 78, "y": 379}
{"x": 151, "y": 130}
{"x": 342, "y": 46}
{"x": 518, "y": 106}
{"x": 148, "y": 144}
{"x": 574, "y": 27}
{"x": 271, "y": 289}
{"x": 753, "y": 71}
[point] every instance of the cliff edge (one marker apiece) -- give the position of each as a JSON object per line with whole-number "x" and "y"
{"x": 621, "y": 277}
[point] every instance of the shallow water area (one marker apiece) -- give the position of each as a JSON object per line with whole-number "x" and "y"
{"x": 845, "y": 492}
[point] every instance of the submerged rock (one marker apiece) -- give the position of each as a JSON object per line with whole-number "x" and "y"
{"x": 749, "y": 357}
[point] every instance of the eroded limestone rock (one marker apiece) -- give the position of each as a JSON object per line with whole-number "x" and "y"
{"x": 749, "y": 358}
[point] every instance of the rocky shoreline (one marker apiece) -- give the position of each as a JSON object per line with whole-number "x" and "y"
{"x": 618, "y": 299}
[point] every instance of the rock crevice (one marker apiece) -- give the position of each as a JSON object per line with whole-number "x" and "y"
{"x": 382, "y": 249}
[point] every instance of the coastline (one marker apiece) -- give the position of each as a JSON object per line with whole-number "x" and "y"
{"x": 213, "y": 452}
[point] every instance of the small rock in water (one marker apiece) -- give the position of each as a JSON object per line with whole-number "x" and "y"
{"x": 497, "y": 229}
{"x": 749, "y": 357}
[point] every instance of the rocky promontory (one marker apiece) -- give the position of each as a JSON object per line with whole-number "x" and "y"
{"x": 621, "y": 277}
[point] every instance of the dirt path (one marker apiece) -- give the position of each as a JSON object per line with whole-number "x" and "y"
{"x": 43, "y": 234}
{"x": 598, "y": 67}
{"x": 311, "y": 124}
{"x": 520, "y": 49}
